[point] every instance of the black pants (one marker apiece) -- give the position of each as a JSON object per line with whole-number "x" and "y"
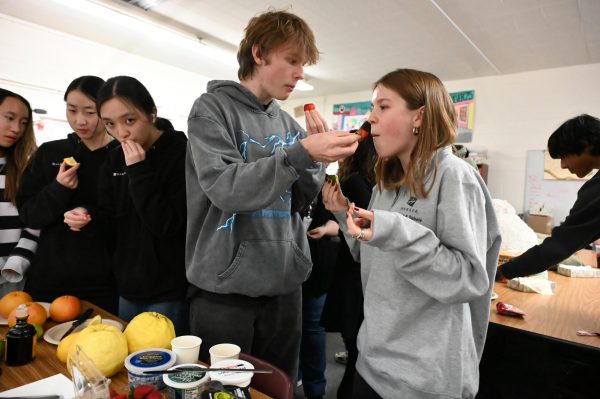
{"x": 362, "y": 390}
{"x": 345, "y": 389}
{"x": 266, "y": 327}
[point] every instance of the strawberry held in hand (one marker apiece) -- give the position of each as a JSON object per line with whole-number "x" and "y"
{"x": 363, "y": 134}
{"x": 309, "y": 107}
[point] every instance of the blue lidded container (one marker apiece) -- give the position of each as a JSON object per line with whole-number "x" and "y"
{"x": 153, "y": 359}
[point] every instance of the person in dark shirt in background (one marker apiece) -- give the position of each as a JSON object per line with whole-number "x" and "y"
{"x": 343, "y": 311}
{"x": 324, "y": 245}
{"x": 577, "y": 144}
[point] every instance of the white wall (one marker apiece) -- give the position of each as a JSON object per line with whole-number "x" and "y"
{"x": 39, "y": 63}
{"x": 513, "y": 114}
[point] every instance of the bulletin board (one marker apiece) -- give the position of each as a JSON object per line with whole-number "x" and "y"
{"x": 557, "y": 195}
{"x": 348, "y": 116}
{"x": 464, "y": 106}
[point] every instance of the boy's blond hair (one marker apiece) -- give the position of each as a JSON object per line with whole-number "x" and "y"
{"x": 269, "y": 31}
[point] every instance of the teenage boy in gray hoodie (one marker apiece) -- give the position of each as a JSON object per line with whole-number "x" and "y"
{"x": 250, "y": 170}
{"x": 428, "y": 247}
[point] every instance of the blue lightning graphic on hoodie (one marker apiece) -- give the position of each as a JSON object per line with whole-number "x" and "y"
{"x": 273, "y": 141}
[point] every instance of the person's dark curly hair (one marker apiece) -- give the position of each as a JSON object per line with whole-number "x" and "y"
{"x": 574, "y": 136}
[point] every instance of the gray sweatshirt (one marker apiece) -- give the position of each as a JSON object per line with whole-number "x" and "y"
{"x": 247, "y": 178}
{"x": 427, "y": 276}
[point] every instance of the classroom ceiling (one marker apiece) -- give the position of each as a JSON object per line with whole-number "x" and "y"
{"x": 359, "y": 40}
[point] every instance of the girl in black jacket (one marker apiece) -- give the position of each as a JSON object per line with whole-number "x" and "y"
{"x": 142, "y": 204}
{"x": 69, "y": 262}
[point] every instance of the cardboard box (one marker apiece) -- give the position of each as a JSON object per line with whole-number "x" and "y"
{"x": 540, "y": 223}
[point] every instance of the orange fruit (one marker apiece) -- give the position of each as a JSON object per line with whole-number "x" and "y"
{"x": 37, "y": 314}
{"x": 11, "y": 300}
{"x": 65, "y": 308}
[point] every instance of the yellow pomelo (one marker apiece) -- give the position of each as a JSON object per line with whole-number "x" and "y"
{"x": 149, "y": 330}
{"x": 64, "y": 346}
{"x": 95, "y": 320}
{"x": 105, "y": 345}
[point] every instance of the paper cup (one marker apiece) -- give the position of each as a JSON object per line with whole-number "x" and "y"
{"x": 223, "y": 351}
{"x": 186, "y": 348}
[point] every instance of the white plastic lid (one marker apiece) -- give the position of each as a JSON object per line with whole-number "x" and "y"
{"x": 21, "y": 311}
{"x": 186, "y": 379}
{"x": 232, "y": 378}
{"x": 153, "y": 359}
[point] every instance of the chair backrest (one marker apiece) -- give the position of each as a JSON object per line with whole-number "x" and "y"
{"x": 277, "y": 384}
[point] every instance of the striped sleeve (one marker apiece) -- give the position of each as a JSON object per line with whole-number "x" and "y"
{"x": 17, "y": 243}
{"x": 27, "y": 244}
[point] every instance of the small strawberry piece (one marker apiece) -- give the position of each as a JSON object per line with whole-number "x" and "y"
{"x": 363, "y": 135}
{"x": 309, "y": 107}
{"x": 154, "y": 395}
{"x": 112, "y": 393}
{"x": 142, "y": 391}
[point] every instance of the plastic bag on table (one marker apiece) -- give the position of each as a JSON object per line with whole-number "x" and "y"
{"x": 88, "y": 381}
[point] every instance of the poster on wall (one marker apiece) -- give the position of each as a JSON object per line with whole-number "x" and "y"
{"x": 348, "y": 116}
{"x": 464, "y": 106}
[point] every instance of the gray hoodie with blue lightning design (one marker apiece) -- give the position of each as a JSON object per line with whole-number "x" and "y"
{"x": 247, "y": 178}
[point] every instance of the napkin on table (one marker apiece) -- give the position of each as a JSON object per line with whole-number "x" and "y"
{"x": 578, "y": 271}
{"x": 532, "y": 284}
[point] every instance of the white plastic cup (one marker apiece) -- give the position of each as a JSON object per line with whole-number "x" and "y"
{"x": 186, "y": 348}
{"x": 223, "y": 351}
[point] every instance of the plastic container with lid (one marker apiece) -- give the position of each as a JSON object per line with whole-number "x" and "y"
{"x": 153, "y": 359}
{"x": 187, "y": 384}
{"x": 237, "y": 378}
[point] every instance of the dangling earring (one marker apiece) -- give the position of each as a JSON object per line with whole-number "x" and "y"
{"x": 416, "y": 130}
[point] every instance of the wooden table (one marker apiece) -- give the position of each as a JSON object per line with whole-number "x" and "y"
{"x": 574, "y": 306}
{"x": 46, "y": 363}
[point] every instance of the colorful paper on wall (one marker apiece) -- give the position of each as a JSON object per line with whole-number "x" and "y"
{"x": 348, "y": 116}
{"x": 464, "y": 105}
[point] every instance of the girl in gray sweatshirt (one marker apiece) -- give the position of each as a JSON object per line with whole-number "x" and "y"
{"x": 428, "y": 247}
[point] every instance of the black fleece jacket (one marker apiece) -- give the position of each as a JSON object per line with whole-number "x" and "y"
{"x": 66, "y": 262}
{"x": 580, "y": 228}
{"x": 143, "y": 209}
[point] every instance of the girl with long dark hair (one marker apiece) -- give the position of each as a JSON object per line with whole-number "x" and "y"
{"x": 17, "y": 144}
{"x": 66, "y": 261}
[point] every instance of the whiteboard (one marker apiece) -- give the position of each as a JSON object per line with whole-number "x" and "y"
{"x": 557, "y": 195}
